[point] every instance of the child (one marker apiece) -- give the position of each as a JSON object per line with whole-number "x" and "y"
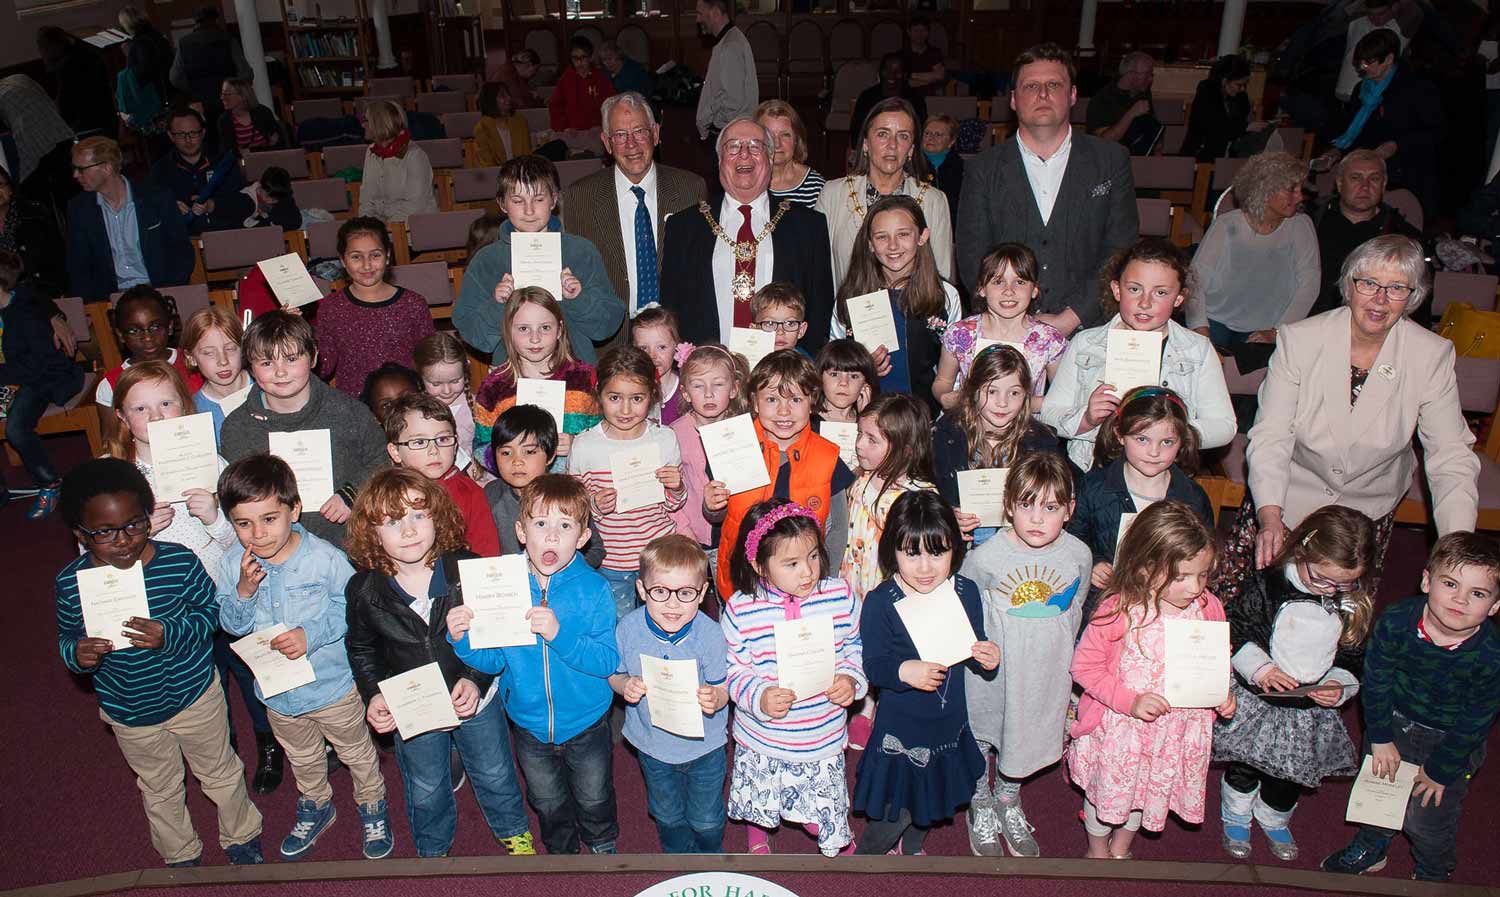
{"x": 1431, "y": 693}
{"x": 895, "y": 456}
{"x": 484, "y": 231}
{"x": 1007, "y": 286}
{"x": 406, "y": 538}
{"x": 891, "y": 253}
{"x": 684, "y": 776}
{"x": 990, "y": 426}
{"x": 145, "y": 323}
{"x": 211, "y": 340}
{"x": 922, "y": 706}
{"x": 779, "y": 309}
{"x": 385, "y": 385}
{"x": 803, "y": 466}
{"x": 45, "y": 374}
{"x": 1030, "y": 576}
{"x": 714, "y": 384}
{"x": 1147, "y": 282}
{"x": 420, "y": 433}
{"x": 371, "y": 320}
{"x": 160, "y": 695}
{"x": 525, "y": 447}
{"x": 626, "y": 391}
{"x": 281, "y": 352}
{"x": 1134, "y": 756}
{"x": 443, "y": 364}
{"x": 789, "y": 756}
{"x": 537, "y": 346}
{"x": 1301, "y": 621}
{"x": 654, "y": 331}
{"x": 847, "y": 372}
{"x": 275, "y": 202}
{"x": 557, "y": 690}
{"x": 288, "y": 576}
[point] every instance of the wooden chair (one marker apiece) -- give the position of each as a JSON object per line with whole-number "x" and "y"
{"x": 298, "y": 164}
{"x": 1406, "y": 202}
{"x": 961, "y": 108}
{"x": 79, "y": 414}
{"x": 328, "y": 194}
{"x": 886, "y": 37}
{"x": 846, "y": 43}
{"x": 1449, "y": 287}
{"x": 322, "y": 240}
{"x": 442, "y": 102}
{"x": 445, "y": 154}
{"x": 474, "y": 188}
{"x": 538, "y": 119}
{"x": 849, "y": 80}
{"x": 806, "y": 60}
{"x": 224, "y": 255}
{"x": 338, "y": 158}
{"x": 461, "y": 124}
{"x": 574, "y": 170}
{"x": 467, "y": 85}
{"x": 1177, "y": 179}
{"x": 189, "y": 299}
{"x": 635, "y": 43}
{"x": 432, "y": 281}
{"x": 1080, "y": 113}
{"x": 434, "y": 236}
{"x": 304, "y": 110}
{"x": 1170, "y": 112}
{"x": 401, "y": 86}
{"x": 765, "y": 48}
{"x": 1156, "y": 217}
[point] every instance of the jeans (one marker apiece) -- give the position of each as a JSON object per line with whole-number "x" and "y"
{"x": 1220, "y": 335}
{"x": 622, "y": 584}
{"x": 571, "y": 786}
{"x": 229, "y": 662}
{"x": 483, "y": 742}
{"x": 687, "y": 801}
{"x": 20, "y": 428}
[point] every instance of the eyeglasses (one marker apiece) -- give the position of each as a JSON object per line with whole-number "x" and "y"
{"x": 155, "y": 328}
{"x": 1396, "y": 292}
{"x": 1332, "y": 585}
{"x": 634, "y": 135}
{"x": 80, "y": 169}
{"x": 421, "y": 443}
{"x": 684, "y": 595}
{"x": 1037, "y": 88}
{"x": 186, "y": 135}
{"x": 783, "y": 326}
{"x": 745, "y": 147}
{"x": 137, "y": 527}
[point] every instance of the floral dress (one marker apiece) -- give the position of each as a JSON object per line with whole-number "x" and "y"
{"x": 1043, "y": 346}
{"x": 868, "y": 507}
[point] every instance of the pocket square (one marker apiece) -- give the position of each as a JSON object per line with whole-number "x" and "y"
{"x": 1100, "y": 189}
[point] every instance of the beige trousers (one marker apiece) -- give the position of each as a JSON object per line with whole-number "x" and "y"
{"x": 342, "y": 723}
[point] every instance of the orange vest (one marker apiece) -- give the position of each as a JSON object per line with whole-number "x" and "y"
{"x": 813, "y": 461}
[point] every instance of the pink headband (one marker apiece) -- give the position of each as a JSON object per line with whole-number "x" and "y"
{"x": 681, "y": 353}
{"x": 764, "y": 524}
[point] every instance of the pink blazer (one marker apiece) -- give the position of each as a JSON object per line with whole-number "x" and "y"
{"x": 689, "y": 518}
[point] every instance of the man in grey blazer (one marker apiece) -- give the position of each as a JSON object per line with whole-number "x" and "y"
{"x": 1068, "y": 196}
{"x": 621, "y": 209}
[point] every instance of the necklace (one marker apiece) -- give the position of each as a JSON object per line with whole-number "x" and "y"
{"x": 859, "y": 208}
{"x": 743, "y": 284}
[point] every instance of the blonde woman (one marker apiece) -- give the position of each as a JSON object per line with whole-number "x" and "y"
{"x": 792, "y": 179}
{"x": 397, "y": 180}
{"x": 246, "y": 125}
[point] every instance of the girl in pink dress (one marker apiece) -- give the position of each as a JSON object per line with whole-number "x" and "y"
{"x": 1133, "y": 754}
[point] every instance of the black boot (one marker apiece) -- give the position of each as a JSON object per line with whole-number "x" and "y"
{"x": 268, "y": 767}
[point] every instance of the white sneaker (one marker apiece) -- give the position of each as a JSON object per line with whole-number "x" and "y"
{"x": 1016, "y": 830}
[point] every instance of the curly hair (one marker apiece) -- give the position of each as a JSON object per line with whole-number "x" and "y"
{"x": 389, "y": 495}
{"x": 1264, "y": 176}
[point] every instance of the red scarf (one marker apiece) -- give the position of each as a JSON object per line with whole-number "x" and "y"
{"x": 393, "y": 147}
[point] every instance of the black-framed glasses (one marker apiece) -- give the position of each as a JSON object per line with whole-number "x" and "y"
{"x": 1396, "y": 292}
{"x": 421, "y": 443}
{"x": 186, "y": 134}
{"x": 80, "y": 169}
{"x": 155, "y": 328}
{"x": 137, "y": 527}
{"x": 783, "y": 326}
{"x": 684, "y": 595}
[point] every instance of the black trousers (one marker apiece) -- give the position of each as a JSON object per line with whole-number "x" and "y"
{"x": 1278, "y": 794}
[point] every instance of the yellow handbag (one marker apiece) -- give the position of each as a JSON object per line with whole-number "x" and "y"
{"x": 1475, "y": 333}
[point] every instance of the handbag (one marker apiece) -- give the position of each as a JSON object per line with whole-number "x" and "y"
{"x": 1475, "y": 333}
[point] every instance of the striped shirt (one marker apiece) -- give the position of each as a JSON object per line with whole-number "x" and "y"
{"x": 815, "y": 728}
{"x": 625, "y": 533}
{"x": 804, "y": 194}
{"x": 136, "y": 686}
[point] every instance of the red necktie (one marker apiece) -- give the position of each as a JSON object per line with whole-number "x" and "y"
{"x": 744, "y": 272}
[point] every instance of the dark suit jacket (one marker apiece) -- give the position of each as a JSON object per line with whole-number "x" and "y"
{"x": 800, "y": 245}
{"x": 1216, "y": 122}
{"x": 164, "y": 243}
{"x": 1094, "y": 216}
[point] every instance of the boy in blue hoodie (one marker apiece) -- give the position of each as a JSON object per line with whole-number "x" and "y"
{"x": 557, "y": 690}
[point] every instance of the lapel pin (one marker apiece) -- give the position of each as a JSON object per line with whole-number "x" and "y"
{"x": 1386, "y": 372}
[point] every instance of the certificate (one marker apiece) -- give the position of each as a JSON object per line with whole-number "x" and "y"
{"x": 274, "y": 672}
{"x": 420, "y": 701}
{"x": 288, "y": 278}
{"x": 184, "y": 455}
{"x": 536, "y": 261}
{"x": 1381, "y": 802}
{"x": 982, "y": 493}
{"x": 109, "y": 596}
{"x": 498, "y": 591}
{"x": 672, "y": 690}
{"x": 1126, "y": 519}
{"x": 938, "y": 626}
{"x": 235, "y": 399}
{"x": 549, "y": 395}
{"x": 1197, "y": 663}
{"x": 751, "y": 342}
{"x": 1132, "y": 358}
{"x": 842, "y": 435}
{"x": 1303, "y": 691}
{"x": 310, "y": 455}
{"x": 804, "y": 656}
{"x": 734, "y": 454}
{"x": 633, "y": 472}
{"x": 872, "y": 323}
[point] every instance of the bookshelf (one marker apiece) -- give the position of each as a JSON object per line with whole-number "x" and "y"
{"x": 328, "y": 55}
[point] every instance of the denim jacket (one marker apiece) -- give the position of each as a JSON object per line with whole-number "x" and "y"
{"x": 307, "y": 591}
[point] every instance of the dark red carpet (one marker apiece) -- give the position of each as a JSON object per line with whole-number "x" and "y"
{"x": 70, "y": 808}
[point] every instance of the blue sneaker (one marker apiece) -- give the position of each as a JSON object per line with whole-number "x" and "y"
{"x": 604, "y": 847}
{"x": 1359, "y": 857}
{"x": 312, "y": 821}
{"x": 377, "y": 825}
{"x": 247, "y": 854}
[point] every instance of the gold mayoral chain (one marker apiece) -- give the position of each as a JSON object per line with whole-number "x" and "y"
{"x": 859, "y": 208}
{"x": 743, "y": 285}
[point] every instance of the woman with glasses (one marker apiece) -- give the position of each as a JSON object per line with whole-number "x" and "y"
{"x": 245, "y": 124}
{"x": 1346, "y": 392}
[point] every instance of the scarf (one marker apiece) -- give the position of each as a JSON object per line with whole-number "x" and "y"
{"x": 393, "y": 147}
{"x": 937, "y": 159}
{"x": 1370, "y": 93}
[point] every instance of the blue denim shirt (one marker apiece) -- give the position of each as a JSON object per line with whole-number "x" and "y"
{"x": 307, "y": 591}
{"x": 124, "y": 240}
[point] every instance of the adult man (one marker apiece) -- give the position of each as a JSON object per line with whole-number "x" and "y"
{"x": 121, "y": 233}
{"x": 1121, "y": 112}
{"x": 1068, "y": 196}
{"x": 205, "y": 57}
{"x": 207, "y": 194}
{"x": 730, "y": 89}
{"x": 716, "y": 256}
{"x": 621, "y": 210}
{"x": 625, "y": 73}
{"x": 924, "y": 62}
{"x": 1378, "y": 14}
{"x": 892, "y": 84}
{"x": 1356, "y": 213}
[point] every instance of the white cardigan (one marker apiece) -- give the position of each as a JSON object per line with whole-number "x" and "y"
{"x": 844, "y": 221}
{"x": 396, "y": 188}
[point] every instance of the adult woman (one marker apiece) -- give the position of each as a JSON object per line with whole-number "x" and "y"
{"x": 792, "y": 179}
{"x": 1221, "y": 110}
{"x": 31, "y": 232}
{"x": 149, "y": 53}
{"x": 888, "y": 164}
{"x": 939, "y": 134}
{"x": 498, "y": 119}
{"x": 245, "y": 125}
{"x": 397, "y": 181}
{"x": 1258, "y": 264}
{"x": 1345, "y": 393}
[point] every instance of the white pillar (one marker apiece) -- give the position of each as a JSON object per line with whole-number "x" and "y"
{"x": 1233, "y": 26}
{"x": 255, "y": 53}
{"x": 385, "y": 57}
{"x": 1086, "y": 24}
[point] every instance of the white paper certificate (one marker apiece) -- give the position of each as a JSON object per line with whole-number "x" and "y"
{"x": 982, "y": 493}
{"x": 420, "y": 701}
{"x": 1133, "y": 358}
{"x": 751, "y": 342}
{"x": 235, "y": 399}
{"x": 549, "y": 395}
{"x": 536, "y": 261}
{"x": 872, "y": 323}
{"x": 734, "y": 454}
{"x": 842, "y": 435}
{"x": 274, "y": 673}
{"x": 1126, "y": 519}
{"x": 1197, "y": 663}
{"x": 804, "y": 655}
{"x": 1381, "y": 802}
{"x": 938, "y": 626}
{"x": 288, "y": 278}
{"x": 633, "y": 472}
{"x": 109, "y": 596}
{"x": 672, "y": 690}
{"x": 499, "y": 593}
{"x": 184, "y": 455}
{"x": 310, "y": 455}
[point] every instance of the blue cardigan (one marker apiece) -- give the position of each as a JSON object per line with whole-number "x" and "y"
{"x": 164, "y": 243}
